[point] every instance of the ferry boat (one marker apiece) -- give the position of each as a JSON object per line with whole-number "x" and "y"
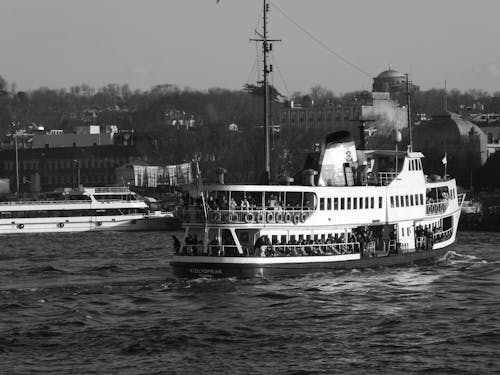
{"x": 359, "y": 209}
{"x": 378, "y": 218}
{"x": 82, "y": 209}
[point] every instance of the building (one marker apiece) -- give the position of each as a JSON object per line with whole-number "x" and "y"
{"x": 375, "y": 112}
{"x": 321, "y": 117}
{"x": 463, "y": 143}
{"x": 392, "y": 81}
{"x": 45, "y": 169}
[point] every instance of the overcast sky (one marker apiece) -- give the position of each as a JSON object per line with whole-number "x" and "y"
{"x": 202, "y": 44}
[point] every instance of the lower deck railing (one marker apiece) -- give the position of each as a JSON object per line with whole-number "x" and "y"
{"x": 273, "y": 250}
{"x": 370, "y": 248}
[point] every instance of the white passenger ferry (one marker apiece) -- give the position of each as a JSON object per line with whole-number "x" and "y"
{"x": 359, "y": 209}
{"x": 83, "y": 209}
{"x": 356, "y": 218}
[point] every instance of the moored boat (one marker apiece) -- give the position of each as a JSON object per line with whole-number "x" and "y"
{"x": 82, "y": 209}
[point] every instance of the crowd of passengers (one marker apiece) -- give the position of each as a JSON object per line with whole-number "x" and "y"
{"x": 362, "y": 240}
{"x": 334, "y": 245}
{"x": 331, "y": 246}
{"x": 221, "y": 202}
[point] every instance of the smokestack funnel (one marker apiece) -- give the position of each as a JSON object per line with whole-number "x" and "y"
{"x": 308, "y": 176}
{"x": 220, "y": 174}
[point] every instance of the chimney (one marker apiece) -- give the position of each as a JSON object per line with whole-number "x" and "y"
{"x": 220, "y": 174}
{"x": 308, "y": 176}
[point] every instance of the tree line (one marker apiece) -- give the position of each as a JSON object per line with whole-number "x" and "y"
{"x": 162, "y": 138}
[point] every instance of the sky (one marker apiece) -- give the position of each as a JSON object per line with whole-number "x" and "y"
{"x": 203, "y": 44}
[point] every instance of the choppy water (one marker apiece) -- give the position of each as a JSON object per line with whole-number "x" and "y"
{"x": 108, "y": 304}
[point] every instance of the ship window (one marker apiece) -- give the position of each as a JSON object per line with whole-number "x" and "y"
{"x": 397, "y": 200}
{"x": 293, "y": 199}
{"x": 329, "y": 203}
{"x": 354, "y": 203}
{"x": 321, "y": 204}
{"x": 335, "y": 203}
{"x": 243, "y": 236}
{"x": 372, "y": 202}
{"x": 310, "y": 201}
{"x": 227, "y": 237}
{"x": 392, "y": 202}
{"x": 348, "y": 203}
{"x": 274, "y": 239}
{"x": 410, "y": 165}
{"x": 342, "y": 203}
{"x": 402, "y": 232}
{"x": 367, "y": 202}
{"x": 255, "y": 198}
{"x": 237, "y": 196}
{"x": 421, "y": 199}
{"x": 416, "y": 199}
{"x": 308, "y": 237}
{"x": 361, "y": 202}
{"x": 301, "y": 237}
{"x": 283, "y": 238}
{"x": 407, "y": 201}
{"x": 402, "y": 201}
{"x": 379, "y": 202}
{"x": 292, "y": 238}
{"x": 411, "y": 200}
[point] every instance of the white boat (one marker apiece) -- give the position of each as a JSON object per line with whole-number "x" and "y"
{"x": 360, "y": 209}
{"x": 391, "y": 218}
{"x": 78, "y": 210}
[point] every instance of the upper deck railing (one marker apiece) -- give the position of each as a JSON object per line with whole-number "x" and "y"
{"x": 437, "y": 207}
{"x": 113, "y": 189}
{"x": 42, "y": 202}
{"x": 247, "y": 216}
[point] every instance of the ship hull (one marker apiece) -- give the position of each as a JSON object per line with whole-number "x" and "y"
{"x": 125, "y": 223}
{"x": 254, "y": 267}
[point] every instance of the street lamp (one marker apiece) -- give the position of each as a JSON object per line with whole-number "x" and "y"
{"x": 14, "y": 128}
{"x": 78, "y": 175}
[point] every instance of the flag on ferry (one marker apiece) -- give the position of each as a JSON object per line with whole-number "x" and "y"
{"x": 445, "y": 159}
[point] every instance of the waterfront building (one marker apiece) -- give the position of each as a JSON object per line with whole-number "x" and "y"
{"x": 463, "y": 143}
{"x": 45, "y": 169}
{"x": 392, "y": 81}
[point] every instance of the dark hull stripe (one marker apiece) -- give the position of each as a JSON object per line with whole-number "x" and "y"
{"x": 222, "y": 270}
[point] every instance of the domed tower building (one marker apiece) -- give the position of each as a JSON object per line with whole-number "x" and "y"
{"x": 389, "y": 80}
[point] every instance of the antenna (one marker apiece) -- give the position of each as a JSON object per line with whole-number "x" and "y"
{"x": 445, "y": 97}
{"x": 266, "y": 48}
{"x": 408, "y": 110}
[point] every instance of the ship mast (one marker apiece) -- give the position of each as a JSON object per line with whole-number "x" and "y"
{"x": 266, "y": 48}
{"x": 408, "y": 111}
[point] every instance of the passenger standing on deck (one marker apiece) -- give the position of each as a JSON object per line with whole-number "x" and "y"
{"x": 232, "y": 204}
{"x": 177, "y": 244}
{"x": 245, "y": 205}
